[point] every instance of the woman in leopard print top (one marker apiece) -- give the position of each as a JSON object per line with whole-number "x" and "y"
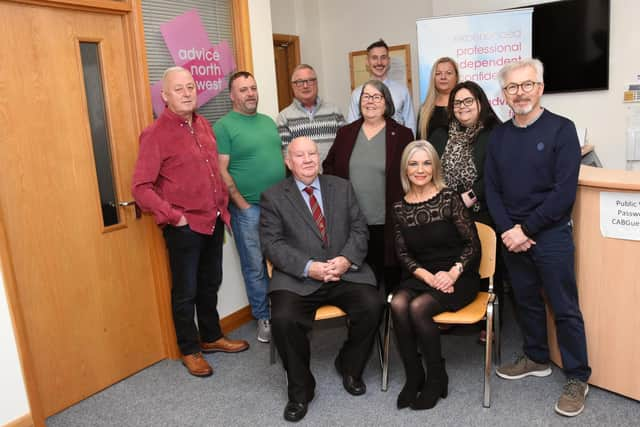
{"x": 463, "y": 147}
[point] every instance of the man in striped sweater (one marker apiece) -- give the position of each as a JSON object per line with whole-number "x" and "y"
{"x": 308, "y": 115}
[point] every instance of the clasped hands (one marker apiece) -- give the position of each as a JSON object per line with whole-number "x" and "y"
{"x": 442, "y": 280}
{"x": 516, "y": 241}
{"x": 330, "y": 270}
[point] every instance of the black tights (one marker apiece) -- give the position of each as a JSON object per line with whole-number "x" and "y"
{"x": 415, "y": 329}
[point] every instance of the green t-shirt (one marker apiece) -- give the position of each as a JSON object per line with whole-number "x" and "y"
{"x": 254, "y": 149}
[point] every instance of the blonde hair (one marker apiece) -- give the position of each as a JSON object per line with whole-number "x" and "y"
{"x": 426, "y": 111}
{"x": 409, "y": 151}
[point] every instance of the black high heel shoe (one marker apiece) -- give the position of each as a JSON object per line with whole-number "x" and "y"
{"x": 436, "y": 386}
{"x": 409, "y": 392}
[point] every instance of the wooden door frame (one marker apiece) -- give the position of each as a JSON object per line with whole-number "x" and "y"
{"x": 292, "y": 40}
{"x": 294, "y": 43}
{"x": 131, "y": 13}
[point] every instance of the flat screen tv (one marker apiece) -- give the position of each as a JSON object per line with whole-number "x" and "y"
{"x": 571, "y": 38}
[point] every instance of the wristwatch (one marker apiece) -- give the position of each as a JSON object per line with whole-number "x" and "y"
{"x": 458, "y": 265}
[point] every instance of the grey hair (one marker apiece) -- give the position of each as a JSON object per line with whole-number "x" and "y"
{"x": 534, "y": 63}
{"x": 173, "y": 70}
{"x": 302, "y": 67}
{"x": 286, "y": 150}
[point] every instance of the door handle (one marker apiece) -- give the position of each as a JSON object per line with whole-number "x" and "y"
{"x": 132, "y": 203}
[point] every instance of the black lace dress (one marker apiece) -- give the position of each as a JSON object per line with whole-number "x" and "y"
{"x": 434, "y": 235}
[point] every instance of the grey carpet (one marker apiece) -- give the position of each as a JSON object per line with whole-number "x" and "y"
{"x": 246, "y": 391}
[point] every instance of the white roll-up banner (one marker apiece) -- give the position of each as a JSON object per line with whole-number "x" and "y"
{"x": 480, "y": 43}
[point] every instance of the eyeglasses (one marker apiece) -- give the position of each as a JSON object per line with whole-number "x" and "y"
{"x": 301, "y": 83}
{"x": 526, "y": 86}
{"x": 467, "y": 102}
{"x": 375, "y": 98}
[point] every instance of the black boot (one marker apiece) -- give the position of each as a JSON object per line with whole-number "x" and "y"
{"x": 413, "y": 384}
{"x": 437, "y": 386}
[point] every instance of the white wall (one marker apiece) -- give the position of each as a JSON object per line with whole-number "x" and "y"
{"x": 264, "y": 68}
{"x": 301, "y": 18}
{"x": 13, "y": 396}
{"x": 330, "y": 29}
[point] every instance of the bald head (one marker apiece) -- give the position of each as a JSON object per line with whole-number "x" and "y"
{"x": 303, "y": 159}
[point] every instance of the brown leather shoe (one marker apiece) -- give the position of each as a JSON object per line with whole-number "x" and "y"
{"x": 224, "y": 345}
{"x": 197, "y": 365}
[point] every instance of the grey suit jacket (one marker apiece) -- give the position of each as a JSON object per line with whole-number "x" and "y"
{"x": 290, "y": 237}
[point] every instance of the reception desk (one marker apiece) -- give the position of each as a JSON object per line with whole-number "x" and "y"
{"x": 608, "y": 276}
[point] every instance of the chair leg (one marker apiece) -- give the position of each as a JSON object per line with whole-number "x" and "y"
{"x": 385, "y": 346}
{"x": 380, "y": 346}
{"x": 486, "y": 401}
{"x": 496, "y": 322}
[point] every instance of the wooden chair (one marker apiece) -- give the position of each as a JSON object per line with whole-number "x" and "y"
{"x": 324, "y": 312}
{"x": 483, "y": 307}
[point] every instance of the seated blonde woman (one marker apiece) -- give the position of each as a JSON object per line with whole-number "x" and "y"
{"x": 439, "y": 250}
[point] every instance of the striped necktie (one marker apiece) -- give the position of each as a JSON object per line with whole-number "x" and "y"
{"x": 317, "y": 213}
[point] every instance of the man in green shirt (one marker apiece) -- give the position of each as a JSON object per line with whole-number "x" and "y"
{"x": 250, "y": 161}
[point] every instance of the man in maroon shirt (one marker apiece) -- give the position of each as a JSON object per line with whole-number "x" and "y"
{"x": 177, "y": 179}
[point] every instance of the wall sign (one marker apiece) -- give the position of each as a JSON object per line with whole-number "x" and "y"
{"x": 620, "y": 215}
{"x": 190, "y": 48}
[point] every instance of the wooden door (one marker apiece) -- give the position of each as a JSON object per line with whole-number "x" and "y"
{"x": 286, "y": 51}
{"x": 84, "y": 290}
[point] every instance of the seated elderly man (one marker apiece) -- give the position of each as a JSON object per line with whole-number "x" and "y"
{"x": 312, "y": 230}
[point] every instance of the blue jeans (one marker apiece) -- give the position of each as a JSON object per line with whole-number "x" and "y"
{"x": 549, "y": 265}
{"x": 245, "y": 224}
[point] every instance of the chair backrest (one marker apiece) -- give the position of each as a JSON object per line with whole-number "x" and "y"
{"x": 488, "y": 243}
{"x": 269, "y": 268}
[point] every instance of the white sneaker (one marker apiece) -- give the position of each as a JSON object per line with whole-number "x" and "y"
{"x": 264, "y": 330}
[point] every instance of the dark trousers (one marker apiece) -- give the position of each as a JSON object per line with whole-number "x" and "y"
{"x": 549, "y": 265}
{"x": 196, "y": 272}
{"x": 292, "y": 318}
{"x": 389, "y": 275}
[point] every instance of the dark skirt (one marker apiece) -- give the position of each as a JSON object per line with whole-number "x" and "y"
{"x": 465, "y": 290}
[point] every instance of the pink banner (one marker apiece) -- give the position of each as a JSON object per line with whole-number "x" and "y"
{"x": 190, "y": 48}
